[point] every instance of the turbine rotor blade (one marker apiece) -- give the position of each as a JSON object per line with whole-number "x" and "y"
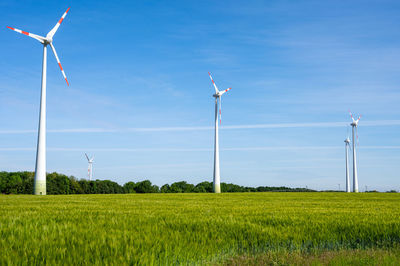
{"x": 220, "y": 110}
{"x": 55, "y": 28}
{"x": 351, "y": 115}
{"x": 225, "y": 91}
{"x": 87, "y": 157}
{"x": 59, "y": 63}
{"x": 220, "y": 104}
{"x": 357, "y": 143}
{"x": 215, "y": 86}
{"x": 34, "y": 36}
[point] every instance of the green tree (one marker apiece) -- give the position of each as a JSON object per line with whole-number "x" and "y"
{"x": 156, "y": 189}
{"x": 144, "y": 187}
{"x": 74, "y": 186}
{"x": 130, "y": 187}
{"x": 165, "y": 189}
{"x": 181, "y": 187}
{"x": 204, "y": 187}
{"x": 57, "y": 184}
{"x": 11, "y": 183}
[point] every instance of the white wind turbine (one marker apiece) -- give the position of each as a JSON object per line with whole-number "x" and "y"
{"x": 40, "y": 168}
{"x": 90, "y": 167}
{"x": 347, "y": 143}
{"x": 354, "y": 125}
{"x": 218, "y": 94}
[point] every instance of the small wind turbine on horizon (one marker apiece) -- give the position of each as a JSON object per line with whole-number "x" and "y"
{"x": 90, "y": 167}
{"x": 218, "y": 96}
{"x": 354, "y": 125}
{"x": 40, "y": 167}
{"x": 347, "y": 143}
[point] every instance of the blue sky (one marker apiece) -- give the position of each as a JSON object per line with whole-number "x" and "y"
{"x": 140, "y": 99}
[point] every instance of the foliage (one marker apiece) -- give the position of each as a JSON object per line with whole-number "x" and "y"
{"x": 16, "y": 183}
{"x": 57, "y": 184}
{"x": 195, "y": 228}
{"x": 203, "y": 187}
{"x": 181, "y": 187}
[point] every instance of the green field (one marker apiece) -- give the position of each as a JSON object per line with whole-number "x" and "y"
{"x": 234, "y": 228}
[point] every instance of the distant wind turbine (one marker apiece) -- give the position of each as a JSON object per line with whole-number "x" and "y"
{"x": 40, "y": 168}
{"x": 90, "y": 167}
{"x": 218, "y": 95}
{"x": 354, "y": 125}
{"x": 347, "y": 143}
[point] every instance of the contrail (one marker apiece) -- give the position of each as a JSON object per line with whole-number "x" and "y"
{"x": 201, "y": 128}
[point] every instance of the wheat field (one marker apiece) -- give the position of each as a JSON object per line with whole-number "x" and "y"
{"x": 228, "y": 228}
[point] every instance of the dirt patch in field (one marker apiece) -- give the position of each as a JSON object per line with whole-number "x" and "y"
{"x": 341, "y": 257}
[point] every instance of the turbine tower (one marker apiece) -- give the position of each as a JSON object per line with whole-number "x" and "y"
{"x": 90, "y": 167}
{"x": 40, "y": 167}
{"x": 218, "y": 95}
{"x": 354, "y": 125}
{"x": 347, "y": 143}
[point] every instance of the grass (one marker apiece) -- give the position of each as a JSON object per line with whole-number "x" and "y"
{"x": 235, "y": 228}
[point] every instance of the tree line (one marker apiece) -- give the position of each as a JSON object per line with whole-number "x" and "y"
{"x": 22, "y": 183}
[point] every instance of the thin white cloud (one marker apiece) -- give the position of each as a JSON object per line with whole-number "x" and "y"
{"x": 154, "y": 165}
{"x": 130, "y": 149}
{"x": 394, "y": 147}
{"x": 267, "y": 148}
{"x": 17, "y": 149}
{"x": 154, "y": 129}
{"x": 165, "y": 129}
{"x": 307, "y": 148}
{"x": 82, "y": 130}
{"x": 17, "y": 131}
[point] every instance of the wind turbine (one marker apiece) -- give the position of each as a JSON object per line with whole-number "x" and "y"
{"x": 218, "y": 96}
{"x": 354, "y": 125}
{"x": 90, "y": 167}
{"x": 347, "y": 143}
{"x": 40, "y": 168}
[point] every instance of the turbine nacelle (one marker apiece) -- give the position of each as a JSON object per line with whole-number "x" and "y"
{"x": 48, "y": 40}
{"x": 90, "y": 160}
{"x": 354, "y": 122}
{"x": 347, "y": 141}
{"x": 218, "y": 94}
